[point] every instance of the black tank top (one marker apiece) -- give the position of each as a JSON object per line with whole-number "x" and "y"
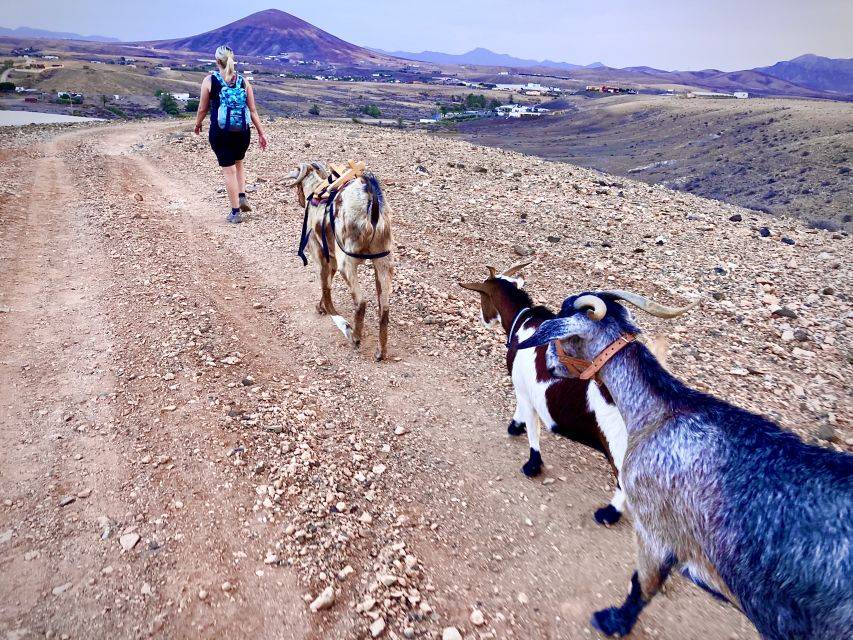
{"x": 215, "y": 88}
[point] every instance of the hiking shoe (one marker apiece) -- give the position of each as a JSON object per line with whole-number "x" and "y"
{"x": 234, "y": 217}
{"x": 244, "y": 204}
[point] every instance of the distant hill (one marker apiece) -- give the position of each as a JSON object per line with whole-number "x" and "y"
{"x": 815, "y": 72}
{"x": 274, "y": 32}
{"x": 486, "y": 58}
{"x": 29, "y": 32}
{"x": 750, "y": 80}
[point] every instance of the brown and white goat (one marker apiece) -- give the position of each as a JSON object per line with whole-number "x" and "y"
{"x": 577, "y": 409}
{"x": 361, "y": 231}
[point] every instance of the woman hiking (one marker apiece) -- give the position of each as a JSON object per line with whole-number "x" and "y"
{"x": 231, "y": 102}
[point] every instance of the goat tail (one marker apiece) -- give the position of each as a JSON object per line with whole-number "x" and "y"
{"x": 377, "y": 198}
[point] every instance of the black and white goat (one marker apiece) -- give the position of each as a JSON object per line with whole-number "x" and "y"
{"x": 743, "y": 508}
{"x": 576, "y": 409}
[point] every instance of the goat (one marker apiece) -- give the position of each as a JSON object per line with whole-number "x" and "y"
{"x": 744, "y": 509}
{"x": 576, "y": 409}
{"x": 360, "y": 230}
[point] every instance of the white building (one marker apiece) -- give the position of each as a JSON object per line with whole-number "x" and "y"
{"x": 520, "y": 111}
{"x": 531, "y": 88}
{"x": 181, "y": 97}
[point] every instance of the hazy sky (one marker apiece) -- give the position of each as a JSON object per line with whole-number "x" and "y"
{"x": 669, "y": 34}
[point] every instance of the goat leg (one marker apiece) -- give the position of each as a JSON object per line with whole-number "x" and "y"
{"x": 349, "y": 272}
{"x": 533, "y": 467}
{"x": 652, "y": 571}
{"x": 382, "y": 269}
{"x": 516, "y": 425}
{"x": 612, "y": 512}
{"x": 327, "y": 273}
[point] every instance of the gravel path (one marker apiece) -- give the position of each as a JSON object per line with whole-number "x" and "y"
{"x": 187, "y": 450}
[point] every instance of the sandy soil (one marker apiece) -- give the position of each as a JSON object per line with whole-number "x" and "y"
{"x": 165, "y": 377}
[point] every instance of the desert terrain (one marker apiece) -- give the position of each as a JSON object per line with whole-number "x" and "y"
{"x": 788, "y": 154}
{"x": 189, "y": 451}
{"x": 132, "y": 90}
{"x": 782, "y": 156}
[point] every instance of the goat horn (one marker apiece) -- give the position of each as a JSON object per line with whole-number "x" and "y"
{"x": 518, "y": 266}
{"x": 650, "y": 306}
{"x": 493, "y": 273}
{"x": 321, "y": 168}
{"x": 297, "y": 176}
{"x": 596, "y": 309}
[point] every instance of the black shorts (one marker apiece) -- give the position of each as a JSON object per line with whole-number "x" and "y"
{"x": 229, "y": 146}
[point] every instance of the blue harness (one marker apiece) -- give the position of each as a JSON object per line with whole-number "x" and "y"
{"x": 328, "y": 218}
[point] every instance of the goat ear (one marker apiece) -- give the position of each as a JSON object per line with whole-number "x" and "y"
{"x": 518, "y": 266}
{"x": 548, "y": 331}
{"x": 660, "y": 348}
{"x": 479, "y": 287}
{"x": 493, "y": 273}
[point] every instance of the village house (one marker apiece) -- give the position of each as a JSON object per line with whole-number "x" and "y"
{"x": 520, "y": 111}
{"x": 529, "y": 89}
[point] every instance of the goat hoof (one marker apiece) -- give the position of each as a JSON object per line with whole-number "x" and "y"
{"x": 531, "y": 470}
{"x": 533, "y": 467}
{"x": 607, "y": 515}
{"x": 321, "y": 309}
{"x": 611, "y": 622}
{"x": 378, "y": 356}
{"x": 516, "y": 428}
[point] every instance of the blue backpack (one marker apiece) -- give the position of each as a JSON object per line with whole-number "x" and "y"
{"x": 233, "y": 115}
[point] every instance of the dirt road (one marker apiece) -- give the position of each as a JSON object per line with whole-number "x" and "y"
{"x": 188, "y": 451}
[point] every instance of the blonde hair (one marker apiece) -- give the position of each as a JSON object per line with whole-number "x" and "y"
{"x": 225, "y": 59}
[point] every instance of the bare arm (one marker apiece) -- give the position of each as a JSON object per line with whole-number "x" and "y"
{"x": 253, "y": 112}
{"x": 203, "y": 104}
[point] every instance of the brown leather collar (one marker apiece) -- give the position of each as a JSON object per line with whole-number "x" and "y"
{"x": 584, "y": 369}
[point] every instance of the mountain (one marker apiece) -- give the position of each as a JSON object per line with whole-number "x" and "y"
{"x": 29, "y": 32}
{"x": 274, "y": 32}
{"x": 815, "y": 72}
{"x": 486, "y": 58}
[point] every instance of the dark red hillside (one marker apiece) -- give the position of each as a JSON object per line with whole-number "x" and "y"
{"x": 273, "y": 32}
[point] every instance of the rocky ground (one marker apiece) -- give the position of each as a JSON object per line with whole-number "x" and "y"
{"x": 189, "y": 451}
{"x": 782, "y": 156}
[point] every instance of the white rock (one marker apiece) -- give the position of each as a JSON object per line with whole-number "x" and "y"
{"x": 451, "y": 633}
{"x": 477, "y": 618}
{"x": 323, "y": 601}
{"x": 128, "y": 541}
{"x": 377, "y": 627}
{"x": 388, "y": 580}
